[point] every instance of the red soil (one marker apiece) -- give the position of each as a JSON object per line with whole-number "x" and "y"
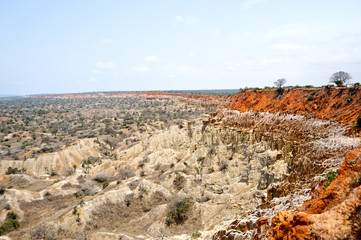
{"x": 340, "y": 104}
{"x": 333, "y": 213}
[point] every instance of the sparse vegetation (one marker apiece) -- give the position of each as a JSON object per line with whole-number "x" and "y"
{"x": 105, "y": 184}
{"x": 101, "y": 177}
{"x": 125, "y": 173}
{"x": 356, "y": 182}
{"x": 43, "y": 125}
{"x": 340, "y": 78}
{"x": 223, "y": 165}
{"x": 177, "y": 211}
{"x": 330, "y": 177}
{"x": 44, "y": 231}
{"x": 195, "y": 235}
{"x": 310, "y": 98}
{"x": 279, "y": 84}
{"x": 179, "y": 181}
{"x": 357, "y": 124}
{"x": 123, "y": 152}
{"x": 11, "y": 223}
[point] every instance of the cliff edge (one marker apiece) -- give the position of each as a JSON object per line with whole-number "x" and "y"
{"x": 339, "y": 104}
{"x": 332, "y": 206}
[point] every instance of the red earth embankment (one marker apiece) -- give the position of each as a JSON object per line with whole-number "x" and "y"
{"x": 332, "y": 213}
{"x": 339, "y": 104}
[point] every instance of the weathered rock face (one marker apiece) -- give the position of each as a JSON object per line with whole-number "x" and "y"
{"x": 333, "y": 213}
{"x": 57, "y": 162}
{"x": 340, "y": 104}
{"x": 309, "y": 148}
{"x": 227, "y": 172}
{"x": 224, "y": 172}
{"x": 264, "y": 169}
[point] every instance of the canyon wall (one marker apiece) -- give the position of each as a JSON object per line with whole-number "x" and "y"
{"x": 254, "y": 170}
{"x": 339, "y": 104}
{"x": 314, "y": 125}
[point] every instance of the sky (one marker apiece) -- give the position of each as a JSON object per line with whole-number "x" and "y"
{"x": 64, "y": 46}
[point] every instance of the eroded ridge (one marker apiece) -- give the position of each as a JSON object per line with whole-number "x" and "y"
{"x": 150, "y": 168}
{"x": 310, "y": 148}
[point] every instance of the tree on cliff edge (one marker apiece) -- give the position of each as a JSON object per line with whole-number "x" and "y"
{"x": 279, "y": 83}
{"x": 340, "y": 78}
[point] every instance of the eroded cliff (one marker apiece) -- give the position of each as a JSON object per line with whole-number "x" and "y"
{"x": 307, "y": 203}
{"x": 254, "y": 170}
{"x": 339, "y": 104}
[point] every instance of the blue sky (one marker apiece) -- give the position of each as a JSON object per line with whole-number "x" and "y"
{"x": 64, "y": 46}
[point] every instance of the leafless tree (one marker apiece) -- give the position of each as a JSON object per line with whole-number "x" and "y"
{"x": 340, "y": 78}
{"x": 280, "y": 82}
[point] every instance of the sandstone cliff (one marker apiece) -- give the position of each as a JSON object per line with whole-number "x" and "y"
{"x": 316, "y": 206}
{"x": 254, "y": 170}
{"x": 340, "y": 104}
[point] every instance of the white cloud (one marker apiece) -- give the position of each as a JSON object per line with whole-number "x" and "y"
{"x": 107, "y": 40}
{"x": 292, "y": 47}
{"x": 188, "y": 20}
{"x": 179, "y": 18}
{"x": 249, "y": 3}
{"x": 305, "y": 31}
{"x": 195, "y": 22}
{"x": 233, "y": 66}
{"x": 274, "y": 60}
{"x": 183, "y": 69}
{"x": 140, "y": 69}
{"x": 171, "y": 76}
{"x": 105, "y": 64}
{"x": 96, "y": 71}
{"x": 216, "y": 32}
{"x": 236, "y": 65}
{"x": 151, "y": 58}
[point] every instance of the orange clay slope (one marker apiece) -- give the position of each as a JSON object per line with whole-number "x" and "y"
{"x": 339, "y": 104}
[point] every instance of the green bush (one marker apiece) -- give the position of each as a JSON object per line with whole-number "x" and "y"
{"x": 195, "y": 235}
{"x": 10, "y": 224}
{"x": 357, "y": 125}
{"x": 77, "y": 194}
{"x": 349, "y": 100}
{"x": 201, "y": 159}
{"x": 105, "y": 184}
{"x": 177, "y": 212}
{"x": 356, "y": 182}
{"x": 280, "y": 91}
{"x": 11, "y": 216}
{"x": 331, "y": 175}
{"x": 310, "y": 98}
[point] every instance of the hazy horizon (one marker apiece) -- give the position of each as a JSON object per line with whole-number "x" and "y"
{"x": 52, "y": 47}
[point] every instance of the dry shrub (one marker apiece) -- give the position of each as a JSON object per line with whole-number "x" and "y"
{"x": 125, "y": 173}
{"x": 44, "y": 231}
{"x": 101, "y": 177}
{"x": 178, "y": 209}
